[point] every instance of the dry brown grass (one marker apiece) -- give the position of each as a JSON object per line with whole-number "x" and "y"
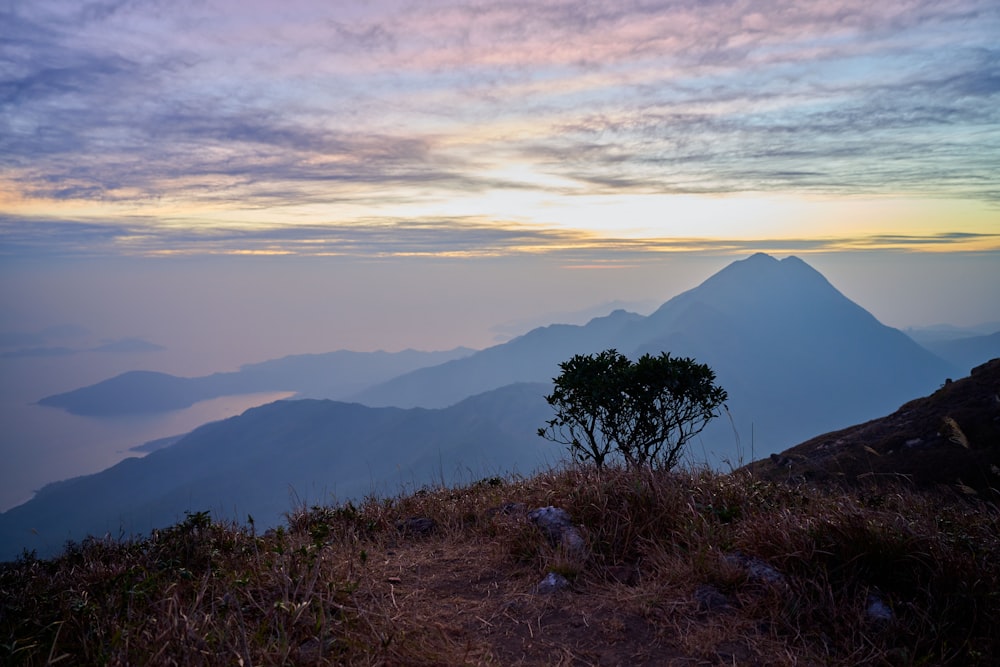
{"x": 344, "y": 585}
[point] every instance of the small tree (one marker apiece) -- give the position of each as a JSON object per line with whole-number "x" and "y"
{"x": 645, "y": 411}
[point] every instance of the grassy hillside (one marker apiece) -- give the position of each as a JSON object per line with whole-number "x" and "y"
{"x": 950, "y": 437}
{"x": 686, "y": 569}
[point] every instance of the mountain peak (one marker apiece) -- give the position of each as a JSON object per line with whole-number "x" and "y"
{"x": 760, "y": 258}
{"x": 763, "y": 279}
{"x": 762, "y": 262}
{"x": 793, "y": 263}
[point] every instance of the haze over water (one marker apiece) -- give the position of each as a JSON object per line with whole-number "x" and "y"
{"x": 39, "y": 445}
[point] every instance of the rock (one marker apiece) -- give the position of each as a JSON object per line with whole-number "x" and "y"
{"x": 878, "y": 611}
{"x": 572, "y": 542}
{"x": 552, "y": 583}
{"x": 560, "y": 531}
{"x": 756, "y": 569}
{"x": 552, "y": 521}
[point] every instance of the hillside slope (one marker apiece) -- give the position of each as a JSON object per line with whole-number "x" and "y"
{"x": 271, "y": 458}
{"x": 950, "y": 437}
{"x": 672, "y": 570}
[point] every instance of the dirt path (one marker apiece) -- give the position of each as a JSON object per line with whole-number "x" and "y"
{"x": 485, "y": 609}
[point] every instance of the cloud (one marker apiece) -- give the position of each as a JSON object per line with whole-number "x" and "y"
{"x": 375, "y": 237}
{"x": 440, "y": 237}
{"x": 222, "y": 105}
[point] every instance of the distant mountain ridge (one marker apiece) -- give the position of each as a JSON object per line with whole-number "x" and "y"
{"x": 533, "y": 357}
{"x": 967, "y": 351}
{"x": 795, "y": 355}
{"x": 329, "y": 375}
{"x": 950, "y": 437}
{"x": 943, "y": 332}
{"x": 310, "y": 451}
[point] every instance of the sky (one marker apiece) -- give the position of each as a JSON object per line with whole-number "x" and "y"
{"x": 304, "y": 176}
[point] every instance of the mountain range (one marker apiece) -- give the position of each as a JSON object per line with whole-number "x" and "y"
{"x": 275, "y": 457}
{"x": 796, "y": 356}
{"x": 968, "y": 351}
{"x": 330, "y": 375}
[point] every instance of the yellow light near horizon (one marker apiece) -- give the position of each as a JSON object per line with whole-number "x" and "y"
{"x": 743, "y": 217}
{"x": 543, "y": 201}
{"x": 635, "y": 216}
{"x": 748, "y": 217}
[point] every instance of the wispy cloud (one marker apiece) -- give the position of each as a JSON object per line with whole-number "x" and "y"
{"x": 220, "y": 105}
{"x": 441, "y": 238}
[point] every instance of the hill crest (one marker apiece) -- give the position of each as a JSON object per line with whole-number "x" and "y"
{"x": 950, "y": 437}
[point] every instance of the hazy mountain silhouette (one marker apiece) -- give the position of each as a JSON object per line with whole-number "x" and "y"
{"x": 941, "y": 332}
{"x": 508, "y": 330}
{"x": 951, "y": 437}
{"x": 968, "y": 352}
{"x": 533, "y": 357}
{"x": 796, "y": 356}
{"x": 264, "y": 461}
{"x": 330, "y": 375}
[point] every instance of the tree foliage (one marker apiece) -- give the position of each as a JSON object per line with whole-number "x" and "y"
{"x": 644, "y": 411}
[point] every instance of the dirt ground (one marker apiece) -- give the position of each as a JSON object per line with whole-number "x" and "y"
{"x": 487, "y": 610}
